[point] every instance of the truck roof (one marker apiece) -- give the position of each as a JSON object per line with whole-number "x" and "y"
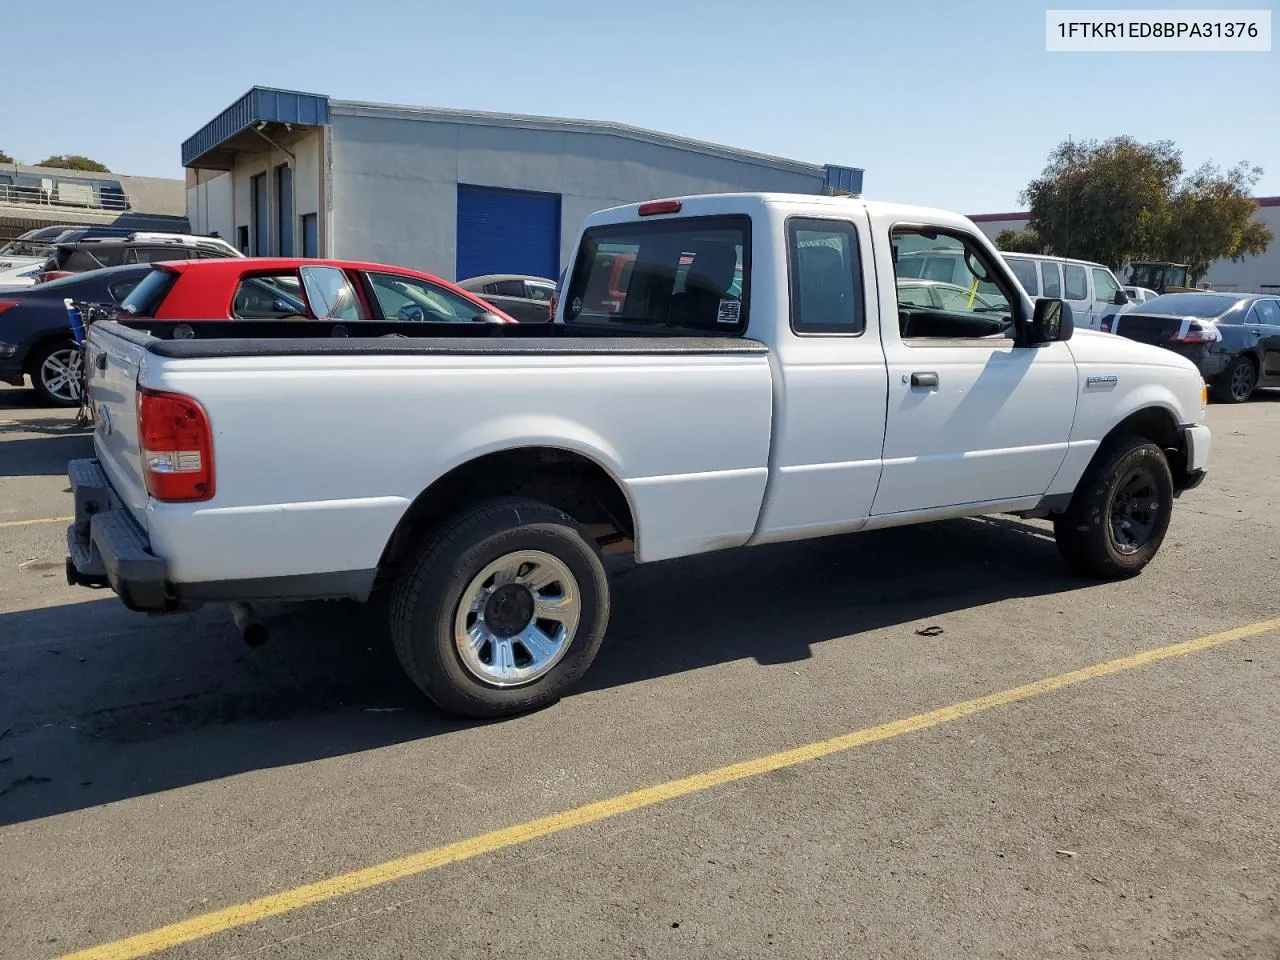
{"x": 708, "y": 204}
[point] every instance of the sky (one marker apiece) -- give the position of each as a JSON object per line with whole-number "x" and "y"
{"x": 952, "y": 104}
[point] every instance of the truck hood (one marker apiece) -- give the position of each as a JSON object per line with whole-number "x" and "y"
{"x": 1094, "y": 346}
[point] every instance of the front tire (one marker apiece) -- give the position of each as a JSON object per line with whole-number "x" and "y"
{"x": 1237, "y": 383}
{"x": 502, "y": 610}
{"x": 1119, "y": 513}
{"x": 55, "y": 370}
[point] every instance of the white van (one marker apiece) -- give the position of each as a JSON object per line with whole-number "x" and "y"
{"x": 1092, "y": 289}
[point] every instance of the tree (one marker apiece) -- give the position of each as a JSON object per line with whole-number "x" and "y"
{"x": 1019, "y": 241}
{"x": 1121, "y": 200}
{"x": 73, "y": 161}
{"x": 1211, "y": 218}
{"x": 1103, "y": 201}
{"x": 5, "y": 158}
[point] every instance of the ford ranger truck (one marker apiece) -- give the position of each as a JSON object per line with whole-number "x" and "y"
{"x": 758, "y": 372}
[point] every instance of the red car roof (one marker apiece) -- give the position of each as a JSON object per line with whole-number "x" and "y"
{"x": 241, "y": 265}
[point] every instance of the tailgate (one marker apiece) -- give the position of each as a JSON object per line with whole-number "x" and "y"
{"x": 112, "y": 359}
{"x": 1147, "y": 327}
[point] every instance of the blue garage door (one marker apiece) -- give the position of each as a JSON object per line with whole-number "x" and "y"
{"x": 507, "y": 231}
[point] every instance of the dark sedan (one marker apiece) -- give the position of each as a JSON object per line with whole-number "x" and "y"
{"x": 1234, "y": 338}
{"x": 528, "y": 299}
{"x": 35, "y": 333}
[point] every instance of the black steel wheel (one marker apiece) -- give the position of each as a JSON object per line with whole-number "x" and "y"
{"x": 1119, "y": 512}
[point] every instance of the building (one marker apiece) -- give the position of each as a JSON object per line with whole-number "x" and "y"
{"x": 455, "y": 193}
{"x": 34, "y": 197}
{"x": 1250, "y": 275}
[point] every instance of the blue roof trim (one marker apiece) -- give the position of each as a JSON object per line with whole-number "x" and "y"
{"x": 845, "y": 179}
{"x": 260, "y": 103}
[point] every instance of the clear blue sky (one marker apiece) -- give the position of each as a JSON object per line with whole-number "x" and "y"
{"x": 946, "y": 103}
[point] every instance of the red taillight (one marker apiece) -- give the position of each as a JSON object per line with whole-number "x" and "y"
{"x": 44, "y": 276}
{"x": 7, "y": 305}
{"x": 551, "y": 308}
{"x": 177, "y": 447}
{"x": 1198, "y": 333}
{"x": 659, "y": 206}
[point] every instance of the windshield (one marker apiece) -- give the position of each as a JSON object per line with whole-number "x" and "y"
{"x": 1205, "y": 305}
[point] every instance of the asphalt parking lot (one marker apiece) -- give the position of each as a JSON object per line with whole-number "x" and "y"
{"x": 155, "y": 771}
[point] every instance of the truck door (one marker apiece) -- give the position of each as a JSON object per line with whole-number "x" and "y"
{"x": 972, "y": 417}
{"x": 828, "y": 423}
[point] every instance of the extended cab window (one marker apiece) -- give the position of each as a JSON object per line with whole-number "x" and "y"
{"x": 689, "y": 273}
{"x": 964, "y": 302}
{"x": 826, "y": 277}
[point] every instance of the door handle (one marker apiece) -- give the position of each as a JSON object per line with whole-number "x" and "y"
{"x": 924, "y": 379}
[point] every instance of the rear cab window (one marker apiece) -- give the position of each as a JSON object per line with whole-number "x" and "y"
{"x": 690, "y": 274}
{"x": 146, "y": 297}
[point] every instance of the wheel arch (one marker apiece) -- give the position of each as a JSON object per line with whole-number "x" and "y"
{"x": 559, "y": 475}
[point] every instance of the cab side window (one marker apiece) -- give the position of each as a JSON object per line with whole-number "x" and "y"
{"x": 949, "y": 289}
{"x": 825, "y": 277}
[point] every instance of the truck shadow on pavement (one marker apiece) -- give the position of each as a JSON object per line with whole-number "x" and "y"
{"x": 41, "y": 447}
{"x": 102, "y": 704}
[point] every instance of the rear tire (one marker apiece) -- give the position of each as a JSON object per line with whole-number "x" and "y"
{"x": 1119, "y": 513}
{"x": 1238, "y": 381}
{"x": 55, "y": 370}
{"x": 502, "y": 609}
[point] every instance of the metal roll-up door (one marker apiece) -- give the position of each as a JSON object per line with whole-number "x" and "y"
{"x": 507, "y": 231}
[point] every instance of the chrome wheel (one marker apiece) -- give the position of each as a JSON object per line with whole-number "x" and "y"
{"x": 1134, "y": 510}
{"x": 60, "y": 374}
{"x": 517, "y": 618}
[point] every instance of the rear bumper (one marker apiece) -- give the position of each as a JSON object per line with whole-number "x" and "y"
{"x": 107, "y": 547}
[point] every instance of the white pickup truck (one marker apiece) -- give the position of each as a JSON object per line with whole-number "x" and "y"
{"x": 724, "y": 371}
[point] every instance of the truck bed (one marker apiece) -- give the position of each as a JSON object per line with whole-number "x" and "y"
{"x": 321, "y": 443}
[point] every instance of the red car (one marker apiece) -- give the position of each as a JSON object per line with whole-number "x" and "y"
{"x": 271, "y": 288}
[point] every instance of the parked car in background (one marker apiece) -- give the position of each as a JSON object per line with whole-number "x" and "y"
{"x": 526, "y": 298}
{"x": 35, "y": 333}
{"x": 34, "y": 247}
{"x": 1140, "y": 294}
{"x": 1091, "y": 288}
{"x": 947, "y": 296}
{"x": 1233, "y": 338}
{"x": 288, "y": 288}
{"x": 21, "y": 276}
{"x": 138, "y": 247}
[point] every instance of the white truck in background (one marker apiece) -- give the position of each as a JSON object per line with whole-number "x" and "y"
{"x": 724, "y": 371}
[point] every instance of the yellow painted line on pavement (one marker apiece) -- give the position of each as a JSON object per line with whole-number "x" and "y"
{"x": 217, "y": 921}
{"x": 29, "y": 523}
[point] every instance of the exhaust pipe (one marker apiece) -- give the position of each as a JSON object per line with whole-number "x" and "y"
{"x": 252, "y": 630}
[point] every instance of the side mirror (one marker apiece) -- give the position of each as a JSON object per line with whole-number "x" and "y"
{"x": 1120, "y": 299}
{"x": 1052, "y": 321}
